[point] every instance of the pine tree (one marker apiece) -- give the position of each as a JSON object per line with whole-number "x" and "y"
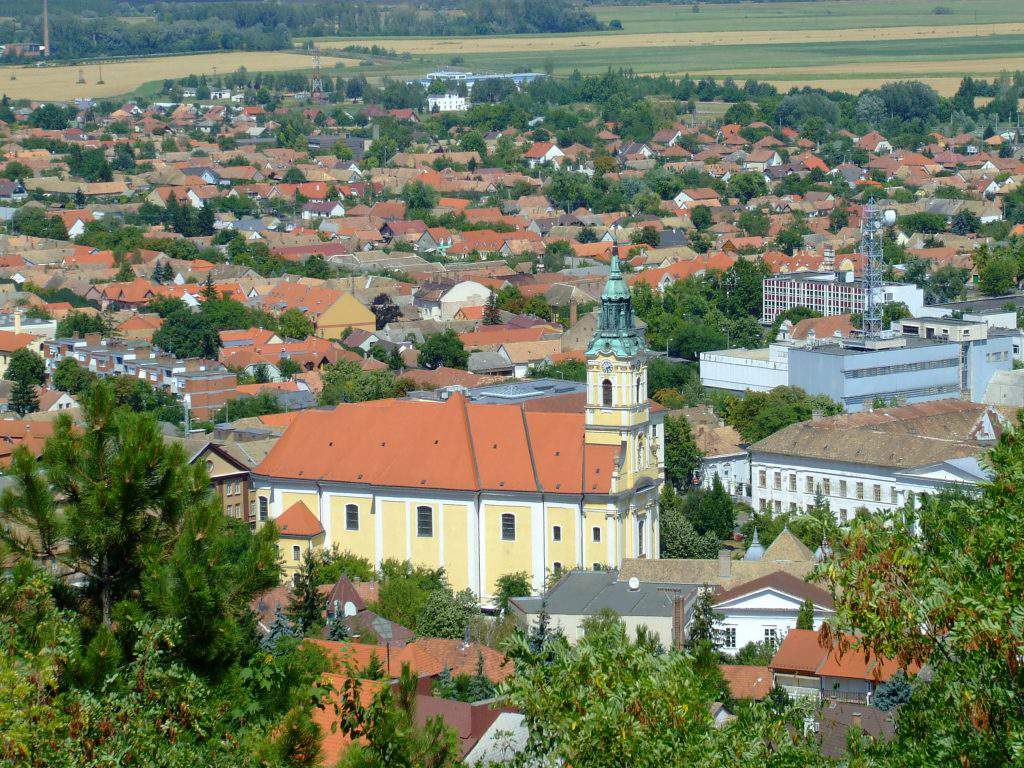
{"x": 480, "y": 686}
{"x": 280, "y": 628}
{"x": 204, "y": 220}
{"x": 337, "y": 629}
{"x": 374, "y": 669}
{"x": 805, "y": 616}
{"x": 307, "y": 604}
{"x": 209, "y": 289}
{"x": 702, "y": 625}
{"x": 444, "y": 686}
{"x": 125, "y": 274}
{"x": 23, "y": 397}
{"x": 492, "y": 316}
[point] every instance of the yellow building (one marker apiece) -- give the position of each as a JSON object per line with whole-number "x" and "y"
{"x": 346, "y": 312}
{"x": 299, "y": 532}
{"x": 487, "y": 489}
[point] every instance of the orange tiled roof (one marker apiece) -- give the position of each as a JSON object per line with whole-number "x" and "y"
{"x": 297, "y": 520}
{"x": 452, "y": 444}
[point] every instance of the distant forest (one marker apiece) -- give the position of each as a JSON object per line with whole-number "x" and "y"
{"x": 89, "y": 28}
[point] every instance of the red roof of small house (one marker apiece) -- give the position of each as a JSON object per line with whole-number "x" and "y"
{"x": 747, "y": 682}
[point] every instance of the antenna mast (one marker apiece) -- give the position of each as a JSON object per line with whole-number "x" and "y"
{"x": 316, "y": 87}
{"x": 871, "y": 248}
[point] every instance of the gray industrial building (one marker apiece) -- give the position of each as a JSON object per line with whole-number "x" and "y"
{"x": 929, "y": 359}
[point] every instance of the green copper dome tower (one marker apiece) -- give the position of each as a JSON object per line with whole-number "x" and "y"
{"x": 616, "y": 332}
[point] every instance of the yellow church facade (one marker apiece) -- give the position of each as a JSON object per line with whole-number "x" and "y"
{"x": 485, "y": 489}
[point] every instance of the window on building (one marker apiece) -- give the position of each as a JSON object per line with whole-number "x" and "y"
{"x": 792, "y": 482}
{"x": 424, "y": 522}
{"x": 556, "y": 533}
{"x": 640, "y": 538}
{"x": 842, "y": 488}
{"x": 508, "y": 527}
{"x": 792, "y": 506}
{"x": 296, "y": 553}
{"x": 843, "y": 516}
{"x": 894, "y": 495}
{"x": 556, "y": 567}
{"x": 860, "y": 490}
{"x": 595, "y": 533}
{"x": 606, "y": 393}
{"x": 264, "y": 505}
{"x": 771, "y": 634}
{"x": 778, "y": 506}
{"x": 878, "y": 493}
{"x": 597, "y": 566}
{"x": 809, "y": 486}
{"x": 762, "y": 504}
{"x": 762, "y": 478}
{"x": 826, "y": 486}
{"x": 351, "y": 517}
{"x": 777, "y": 481}
{"x": 729, "y": 637}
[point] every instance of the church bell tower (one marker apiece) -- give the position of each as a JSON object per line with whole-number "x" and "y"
{"x": 616, "y": 368}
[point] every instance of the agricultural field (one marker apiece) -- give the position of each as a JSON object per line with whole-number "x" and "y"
{"x": 124, "y": 76}
{"x": 844, "y": 44}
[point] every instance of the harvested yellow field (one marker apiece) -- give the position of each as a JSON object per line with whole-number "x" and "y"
{"x": 60, "y": 83}
{"x": 540, "y": 43}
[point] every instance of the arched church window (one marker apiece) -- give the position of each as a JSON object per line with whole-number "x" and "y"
{"x": 606, "y": 393}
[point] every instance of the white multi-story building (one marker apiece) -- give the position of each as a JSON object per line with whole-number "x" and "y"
{"x": 447, "y": 102}
{"x": 830, "y": 293}
{"x": 878, "y": 460}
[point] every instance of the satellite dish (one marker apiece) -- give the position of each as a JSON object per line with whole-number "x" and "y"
{"x": 634, "y": 584}
{"x": 889, "y": 217}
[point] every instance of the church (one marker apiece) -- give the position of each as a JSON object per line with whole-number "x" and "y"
{"x": 482, "y": 489}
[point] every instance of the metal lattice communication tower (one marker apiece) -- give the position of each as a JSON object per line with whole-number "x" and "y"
{"x": 316, "y": 86}
{"x": 871, "y": 229}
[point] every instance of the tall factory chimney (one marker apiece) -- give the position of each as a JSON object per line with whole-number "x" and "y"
{"x": 46, "y": 30}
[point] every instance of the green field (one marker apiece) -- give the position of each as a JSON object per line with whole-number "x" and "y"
{"x": 850, "y": 44}
{"x": 827, "y": 14}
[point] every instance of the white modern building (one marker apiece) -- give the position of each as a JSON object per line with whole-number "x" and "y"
{"x": 746, "y": 370}
{"x": 830, "y": 293}
{"x": 447, "y": 102}
{"x": 877, "y": 460}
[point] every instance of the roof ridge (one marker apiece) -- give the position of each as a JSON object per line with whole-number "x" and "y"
{"x": 472, "y": 445}
{"x": 529, "y": 447}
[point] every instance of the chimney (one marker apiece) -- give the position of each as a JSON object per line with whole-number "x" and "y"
{"x": 724, "y": 565}
{"x": 17, "y": 322}
{"x": 573, "y": 312}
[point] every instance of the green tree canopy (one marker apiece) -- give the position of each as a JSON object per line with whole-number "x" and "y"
{"x": 445, "y": 349}
{"x": 25, "y": 365}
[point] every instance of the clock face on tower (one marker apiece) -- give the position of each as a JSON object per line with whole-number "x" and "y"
{"x": 606, "y": 366}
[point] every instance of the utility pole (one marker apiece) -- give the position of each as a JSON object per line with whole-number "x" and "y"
{"x": 46, "y": 30}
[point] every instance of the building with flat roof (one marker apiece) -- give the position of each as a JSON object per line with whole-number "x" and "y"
{"x": 830, "y": 293}
{"x": 746, "y": 370}
{"x": 895, "y": 369}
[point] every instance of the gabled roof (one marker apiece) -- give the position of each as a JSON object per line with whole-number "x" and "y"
{"x": 779, "y": 581}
